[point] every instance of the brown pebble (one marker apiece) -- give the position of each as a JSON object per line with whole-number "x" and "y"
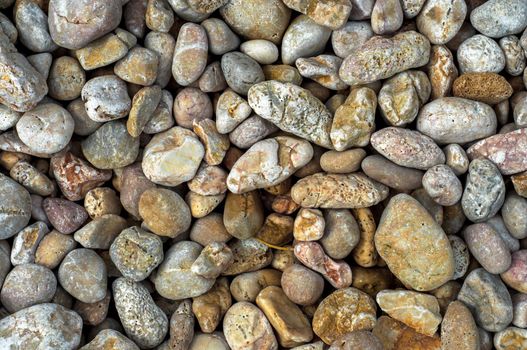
{"x": 487, "y": 87}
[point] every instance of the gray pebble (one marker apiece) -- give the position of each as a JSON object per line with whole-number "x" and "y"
{"x": 250, "y": 131}
{"x": 241, "y": 71}
{"x": 390, "y": 174}
{"x": 184, "y": 11}
{"x": 221, "y": 38}
{"x": 82, "y": 274}
{"x": 513, "y": 213}
{"x": 514, "y": 55}
{"x": 303, "y": 38}
{"x": 8, "y": 117}
{"x": 442, "y": 185}
{"x": 163, "y": 44}
{"x": 498, "y": 18}
{"x": 162, "y": 119}
{"x": 26, "y": 242}
{"x": 519, "y": 304}
{"x": 480, "y": 54}
{"x": 461, "y": 256}
{"x": 101, "y": 231}
{"x": 212, "y": 79}
{"x": 16, "y": 207}
{"x": 350, "y": 37}
{"x": 341, "y": 233}
{"x": 190, "y": 54}
{"x": 106, "y": 98}
{"x": 144, "y": 322}
{"x": 26, "y": 285}
{"x": 136, "y": 253}
{"x": 488, "y": 248}
{"x": 497, "y": 223}
{"x": 84, "y": 125}
{"x": 32, "y": 24}
{"x": 484, "y": 191}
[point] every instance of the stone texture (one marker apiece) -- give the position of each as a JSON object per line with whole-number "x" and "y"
{"x": 459, "y": 330}
{"x": 397, "y": 336}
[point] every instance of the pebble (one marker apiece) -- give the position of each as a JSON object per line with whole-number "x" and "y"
{"x": 514, "y": 55}
{"x": 142, "y": 319}
{"x": 209, "y": 229}
{"x": 303, "y": 38}
{"x": 191, "y": 105}
{"x": 84, "y": 125}
{"x": 190, "y": 54}
{"x": 159, "y": 16}
{"x": 102, "y": 52}
{"x": 161, "y": 119}
{"x": 291, "y": 325}
{"x": 487, "y": 87}
{"x": 341, "y": 234}
{"x": 75, "y": 177}
{"x": 24, "y": 86}
{"x": 401, "y": 97}
{"x": 47, "y": 128}
{"x": 247, "y": 286}
{"x": 32, "y": 179}
{"x": 64, "y": 215}
{"x": 510, "y": 338}
{"x": 163, "y": 44}
{"x": 32, "y": 25}
{"x": 479, "y": 54}
{"x": 184, "y": 11}
{"x": 331, "y": 14}
{"x": 497, "y": 224}
{"x": 248, "y": 255}
{"x": 139, "y": 66}
{"x": 343, "y": 311}
{"x": 512, "y": 213}
{"x": 456, "y": 120}
{"x": 397, "y": 336}
{"x": 283, "y": 73}
{"x": 136, "y": 253}
{"x": 73, "y": 25}
{"x": 361, "y": 9}
{"x": 164, "y": 212}
{"x": 144, "y": 104}
{"x": 172, "y": 157}
{"x": 488, "y": 300}
{"x": 425, "y": 265}
{"x": 66, "y": 79}
{"x": 209, "y": 308}
{"x": 82, "y": 274}
{"x": 210, "y": 180}
{"x": 53, "y": 247}
{"x": 250, "y": 131}
{"x": 246, "y": 327}
{"x": 295, "y": 278}
{"x": 442, "y": 71}
{"x": 484, "y": 192}
{"x": 519, "y": 303}
{"x": 392, "y": 175}
{"x": 417, "y": 310}
{"x": 105, "y": 98}
{"x": 102, "y": 201}
{"x": 488, "y": 248}
{"x": 215, "y": 258}
{"x": 440, "y": 20}
{"x": 442, "y": 185}
{"x": 277, "y": 230}
{"x": 214, "y": 341}
{"x": 506, "y": 151}
{"x": 175, "y": 279}
{"x": 221, "y": 38}
{"x": 351, "y": 36}
{"x": 216, "y": 144}
{"x": 357, "y": 340}
{"x": 338, "y": 191}
{"x": 461, "y": 256}
{"x": 323, "y": 69}
{"x": 262, "y": 51}
{"x": 512, "y": 14}
{"x": 519, "y": 183}
{"x": 201, "y": 206}
{"x": 110, "y": 338}
{"x": 8, "y": 117}
{"x": 514, "y": 277}
{"x": 456, "y": 158}
{"x": 212, "y": 79}
{"x": 342, "y": 162}
{"x": 26, "y": 285}
{"x": 386, "y": 16}
{"x": 429, "y": 204}
{"x": 49, "y": 325}
{"x": 241, "y": 71}
{"x": 311, "y": 254}
{"x": 277, "y": 159}
{"x": 93, "y": 313}
{"x": 459, "y": 330}
{"x": 181, "y": 326}
{"x": 231, "y": 110}
{"x": 389, "y": 56}
{"x": 309, "y": 225}
{"x": 407, "y": 148}
{"x": 26, "y": 242}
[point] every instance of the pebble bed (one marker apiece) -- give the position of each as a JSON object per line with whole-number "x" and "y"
{"x": 263, "y": 174}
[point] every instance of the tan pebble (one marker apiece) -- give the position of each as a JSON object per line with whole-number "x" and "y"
{"x": 210, "y": 307}
{"x": 243, "y": 214}
{"x": 277, "y": 230}
{"x": 459, "y": 330}
{"x": 190, "y": 54}
{"x": 247, "y": 286}
{"x": 396, "y": 335}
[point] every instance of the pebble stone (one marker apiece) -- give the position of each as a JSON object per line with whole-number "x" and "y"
{"x": 513, "y": 14}
{"x": 440, "y": 20}
{"x": 390, "y": 174}
{"x": 442, "y": 185}
{"x": 102, "y": 106}
{"x": 511, "y": 211}
{"x": 487, "y": 247}
{"x": 139, "y": 66}
{"x": 341, "y": 234}
{"x": 480, "y": 54}
{"x": 110, "y": 338}
{"x": 241, "y": 71}
{"x": 386, "y": 16}
{"x": 26, "y": 242}
{"x": 510, "y": 338}
{"x": 190, "y": 54}
{"x": 295, "y": 277}
{"x": 514, "y": 276}
{"x": 65, "y": 216}
{"x": 459, "y": 330}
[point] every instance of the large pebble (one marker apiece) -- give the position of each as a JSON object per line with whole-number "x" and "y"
{"x": 338, "y": 191}
{"x": 381, "y": 58}
{"x": 407, "y": 148}
{"x": 241, "y": 71}
{"x": 220, "y": 35}
{"x": 73, "y": 24}
{"x": 26, "y": 285}
{"x": 172, "y": 157}
{"x": 484, "y": 191}
{"x": 43, "y": 326}
{"x": 440, "y": 20}
{"x": 343, "y": 311}
{"x": 32, "y": 24}
{"x": 174, "y": 278}
{"x": 105, "y": 98}
{"x": 16, "y": 207}
{"x": 248, "y": 255}
{"x": 144, "y": 322}
{"x": 459, "y": 330}
{"x": 101, "y": 52}
{"x": 487, "y": 87}
{"x": 479, "y": 53}
{"x": 424, "y": 265}
{"x": 64, "y": 215}
{"x": 417, "y": 310}
{"x": 303, "y": 38}
{"x": 397, "y": 336}
{"x": 246, "y": 328}
{"x": 512, "y": 16}
{"x": 100, "y": 232}
{"x": 292, "y": 108}
{"x": 487, "y": 247}
{"x": 111, "y": 146}
{"x": 488, "y": 300}
{"x": 442, "y": 71}
{"x": 164, "y": 212}
{"x": 268, "y": 163}
{"x": 456, "y": 120}
{"x": 82, "y": 273}
{"x": 46, "y": 129}
{"x": 508, "y": 151}
{"x": 392, "y": 175}
{"x": 190, "y": 54}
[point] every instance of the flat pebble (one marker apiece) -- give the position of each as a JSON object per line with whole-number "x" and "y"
{"x": 64, "y": 215}
{"x": 390, "y": 174}
{"x": 241, "y": 71}
{"x": 101, "y": 52}
{"x": 342, "y": 162}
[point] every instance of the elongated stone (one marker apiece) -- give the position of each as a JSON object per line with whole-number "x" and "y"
{"x": 190, "y": 54}
{"x": 293, "y": 109}
{"x": 336, "y": 191}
